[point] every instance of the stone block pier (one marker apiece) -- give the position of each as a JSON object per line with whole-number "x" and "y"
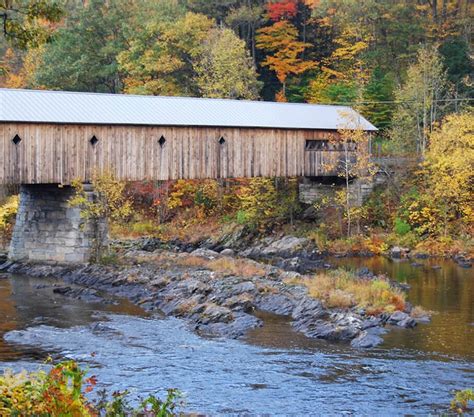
{"x": 47, "y": 229}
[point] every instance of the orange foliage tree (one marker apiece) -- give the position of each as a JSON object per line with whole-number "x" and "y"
{"x": 282, "y": 10}
{"x": 281, "y": 42}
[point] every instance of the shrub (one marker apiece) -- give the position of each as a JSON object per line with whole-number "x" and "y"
{"x": 460, "y": 402}
{"x": 401, "y": 227}
{"x": 61, "y": 392}
{"x": 8, "y": 212}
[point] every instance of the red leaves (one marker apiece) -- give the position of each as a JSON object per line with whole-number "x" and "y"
{"x": 282, "y": 10}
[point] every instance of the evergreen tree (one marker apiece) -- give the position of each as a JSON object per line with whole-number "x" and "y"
{"x": 379, "y": 89}
{"x": 83, "y": 55}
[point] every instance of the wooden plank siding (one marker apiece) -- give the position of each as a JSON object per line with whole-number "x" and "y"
{"x": 59, "y": 154}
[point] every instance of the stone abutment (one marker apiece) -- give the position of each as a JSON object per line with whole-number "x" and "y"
{"x": 47, "y": 229}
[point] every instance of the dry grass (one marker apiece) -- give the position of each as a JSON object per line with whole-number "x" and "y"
{"x": 223, "y": 265}
{"x": 344, "y": 290}
{"x": 419, "y": 312}
{"x": 233, "y": 266}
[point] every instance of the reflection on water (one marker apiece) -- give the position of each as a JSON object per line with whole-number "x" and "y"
{"x": 24, "y": 302}
{"x": 447, "y": 291}
{"x": 274, "y": 371}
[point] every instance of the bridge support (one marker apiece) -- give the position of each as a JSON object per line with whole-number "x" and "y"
{"x": 48, "y": 230}
{"x": 314, "y": 189}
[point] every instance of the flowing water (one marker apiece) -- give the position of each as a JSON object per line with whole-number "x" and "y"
{"x": 274, "y": 371}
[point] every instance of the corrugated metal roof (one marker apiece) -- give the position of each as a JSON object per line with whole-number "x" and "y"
{"x": 92, "y": 108}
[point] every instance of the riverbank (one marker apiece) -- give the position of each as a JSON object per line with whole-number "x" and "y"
{"x": 273, "y": 369}
{"x": 218, "y": 294}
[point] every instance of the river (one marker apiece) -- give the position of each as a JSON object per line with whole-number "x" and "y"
{"x": 274, "y": 370}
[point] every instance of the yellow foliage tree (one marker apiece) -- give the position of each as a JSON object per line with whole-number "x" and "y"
{"x": 281, "y": 41}
{"x": 449, "y": 167}
{"x": 108, "y": 202}
{"x": 354, "y": 162}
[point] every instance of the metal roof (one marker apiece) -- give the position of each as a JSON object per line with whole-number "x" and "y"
{"x": 38, "y": 106}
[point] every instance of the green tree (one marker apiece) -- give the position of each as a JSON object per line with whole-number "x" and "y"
{"x": 323, "y": 89}
{"x": 225, "y": 69}
{"x": 82, "y": 56}
{"x": 459, "y": 66}
{"x": 378, "y": 90}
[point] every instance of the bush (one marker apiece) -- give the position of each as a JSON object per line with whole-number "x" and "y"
{"x": 461, "y": 400}
{"x": 61, "y": 392}
{"x": 401, "y": 227}
{"x": 8, "y": 212}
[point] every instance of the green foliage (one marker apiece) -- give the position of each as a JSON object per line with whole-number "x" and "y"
{"x": 461, "y": 400}
{"x": 401, "y": 227}
{"x": 324, "y": 90}
{"x": 379, "y": 89}
{"x": 83, "y": 55}
{"x": 61, "y": 392}
{"x": 459, "y": 65}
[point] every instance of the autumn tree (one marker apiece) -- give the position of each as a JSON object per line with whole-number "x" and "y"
{"x": 281, "y": 43}
{"x": 106, "y": 202}
{"x": 282, "y": 9}
{"x": 160, "y": 60}
{"x": 420, "y": 102}
{"x": 25, "y": 23}
{"x": 449, "y": 167}
{"x": 354, "y": 164}
{"x": 224, "y": 68}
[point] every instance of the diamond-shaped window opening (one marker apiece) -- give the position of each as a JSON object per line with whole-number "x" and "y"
{"x": 221, "y": 141}
{"x": 162, "y": 141}
{"x": 16, "y": 139}
{"x": 93, "y": 140}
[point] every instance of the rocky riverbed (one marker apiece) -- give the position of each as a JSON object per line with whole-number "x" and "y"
{"x": 218, "y": 294}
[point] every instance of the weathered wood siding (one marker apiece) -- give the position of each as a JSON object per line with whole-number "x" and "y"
{"x": 325, "y": 163}
{"x": 55, "y": 153}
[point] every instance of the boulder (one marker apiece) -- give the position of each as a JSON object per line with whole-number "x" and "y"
{"x": 396, "y": 252}
{"x": 285, "y": 246}
{"x": 215, "y": 314}
{"x": 228, "y": 252}
{"x": 397, "y": 317}
{"x": 407, "y": 323}
{"x": 276, "y": 303}
{"x": 366, "y": 340}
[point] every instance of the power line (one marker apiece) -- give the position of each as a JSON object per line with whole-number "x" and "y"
{"x": 399, "y": 101}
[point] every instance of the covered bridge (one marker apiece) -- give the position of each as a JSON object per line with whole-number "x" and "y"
{"x": 48, "y": 139}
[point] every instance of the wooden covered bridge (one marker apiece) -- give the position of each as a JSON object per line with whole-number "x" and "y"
{"x": 52, "y": 138}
